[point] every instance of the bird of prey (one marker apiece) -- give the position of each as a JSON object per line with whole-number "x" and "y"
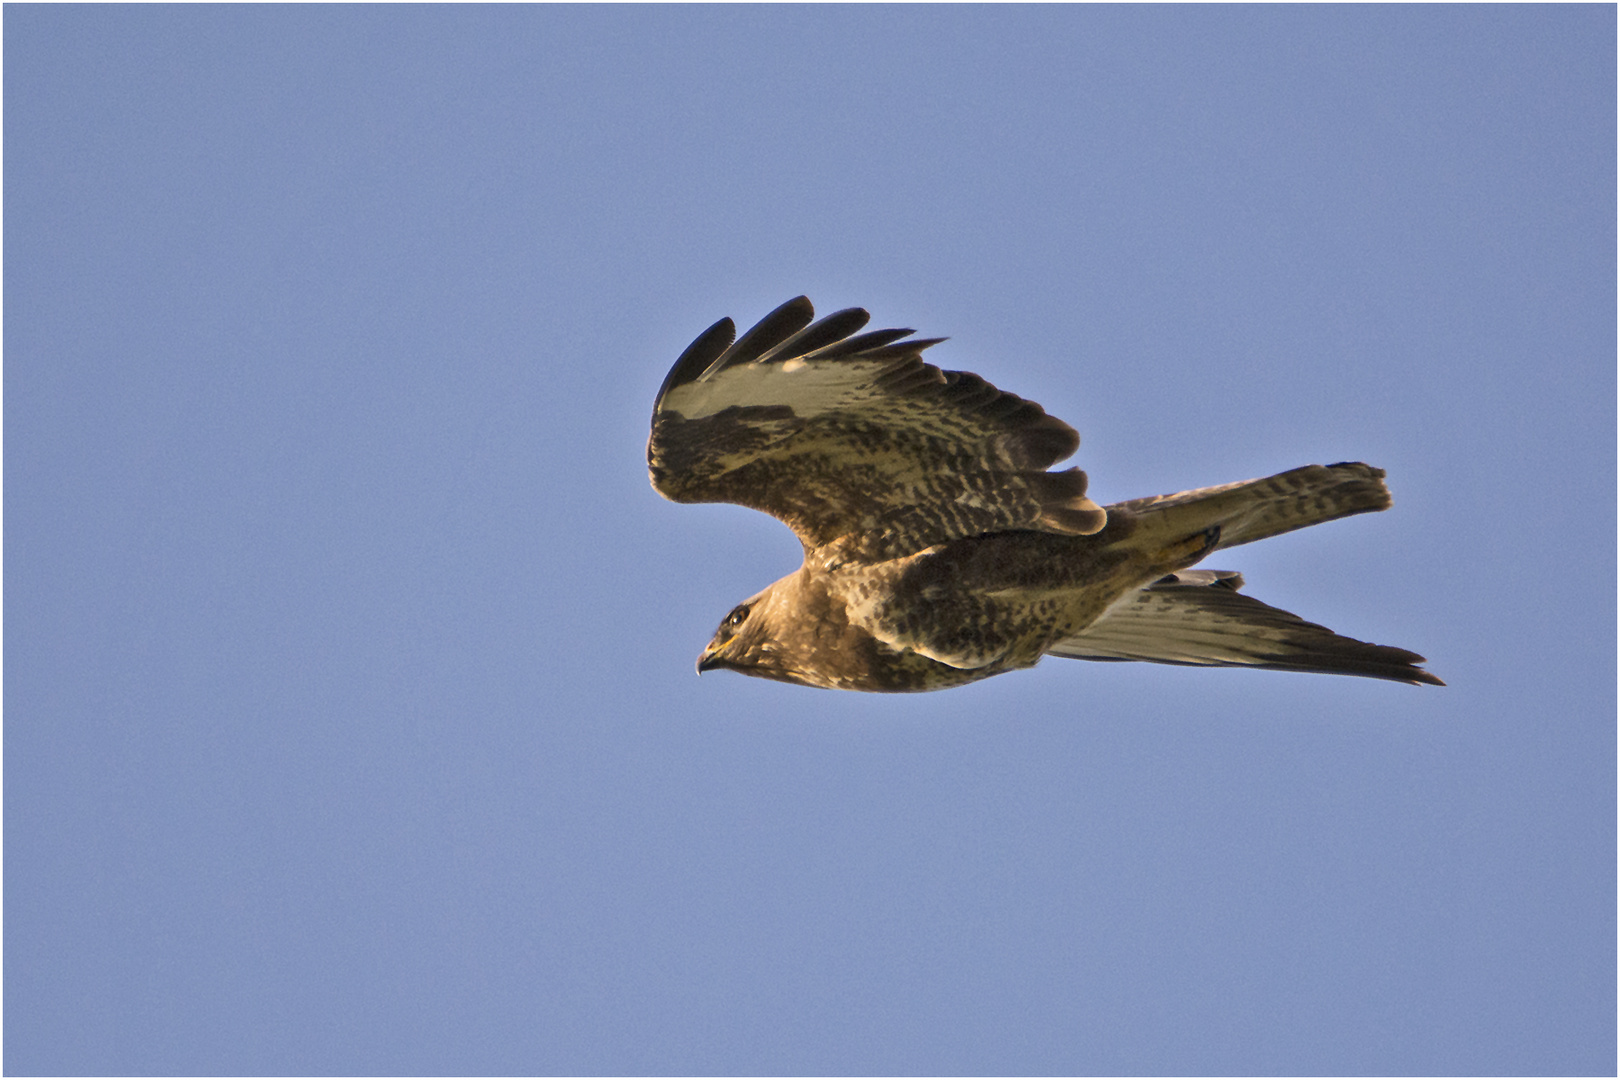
{"x": 939, "y": 549}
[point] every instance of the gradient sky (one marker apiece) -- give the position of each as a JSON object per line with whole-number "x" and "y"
{"x": 351, "y": 723}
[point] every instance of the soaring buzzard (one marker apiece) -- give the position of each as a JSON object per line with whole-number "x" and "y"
{"x": 937, "y": 548}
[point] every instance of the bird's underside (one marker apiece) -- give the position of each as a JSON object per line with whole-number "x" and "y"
{"x": 938, "y": 548}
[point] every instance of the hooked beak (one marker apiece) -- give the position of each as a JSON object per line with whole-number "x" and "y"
{"x": 708, "y": 662}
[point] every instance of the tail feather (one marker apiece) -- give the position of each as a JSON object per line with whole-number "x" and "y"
{"x": 1253, "y": 510}
{"x": 1198, "y": 617}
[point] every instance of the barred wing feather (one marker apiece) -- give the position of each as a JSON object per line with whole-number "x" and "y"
{"x": 855, "y": 440}
{"x": 1198, "y": 617}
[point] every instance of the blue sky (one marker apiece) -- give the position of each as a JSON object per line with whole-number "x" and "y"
{"x": 350, "y": 716}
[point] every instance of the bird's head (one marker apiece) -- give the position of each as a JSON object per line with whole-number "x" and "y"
{"x": 737, "y": 642}
{"x": 796, "y": 632}
{"x": 747, "y": 641}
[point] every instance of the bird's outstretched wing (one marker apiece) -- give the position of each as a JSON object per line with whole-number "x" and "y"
{"x": 855, "y": 439}
{"x": 1199, "y": 617}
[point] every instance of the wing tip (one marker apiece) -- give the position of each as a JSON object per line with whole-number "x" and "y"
{"x": 1064, "y": 505}
{"x": 790, "y": 332}
{"x": 781, "y": 324}
{"x": 1083, "y": 519}
{"x": 1421, "y": 677}
{"x": 697, "y": 357}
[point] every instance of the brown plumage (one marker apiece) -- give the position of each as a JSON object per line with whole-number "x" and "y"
{"x": 938, "y": 549}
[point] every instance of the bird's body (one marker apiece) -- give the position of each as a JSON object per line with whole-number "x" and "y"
{"x": 938, "y": 549}
{"x": 951, "y": 614}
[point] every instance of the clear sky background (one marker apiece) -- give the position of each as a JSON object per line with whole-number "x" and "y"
{"x": 350, "y": 716}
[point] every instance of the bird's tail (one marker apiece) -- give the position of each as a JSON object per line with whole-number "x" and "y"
{"x": 1255, "y": 509}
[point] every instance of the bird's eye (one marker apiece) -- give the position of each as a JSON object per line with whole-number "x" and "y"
{"x": 736, "y": 618}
